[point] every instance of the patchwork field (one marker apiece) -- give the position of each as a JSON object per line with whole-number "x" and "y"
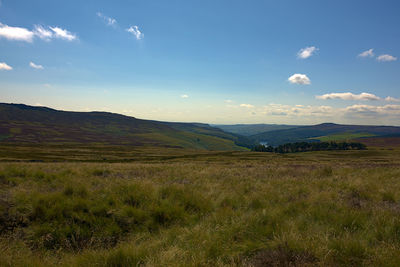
{"x": 175, "y": 207}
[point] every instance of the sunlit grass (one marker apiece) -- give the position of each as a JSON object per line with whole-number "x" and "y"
{"x": 248, "y": 209}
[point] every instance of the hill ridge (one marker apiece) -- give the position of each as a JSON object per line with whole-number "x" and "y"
{"x": 31, "y": 124}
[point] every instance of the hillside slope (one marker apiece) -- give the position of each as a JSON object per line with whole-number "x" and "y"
{"x": 28, "y": 124}
{"x": 316, "y": 132}
{"x": 252, "y": 129}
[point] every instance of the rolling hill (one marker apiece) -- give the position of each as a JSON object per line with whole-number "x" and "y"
{"x": 324, "y": 132}
{"x": 30, "y": 124}
{"x": 252, "y": 129}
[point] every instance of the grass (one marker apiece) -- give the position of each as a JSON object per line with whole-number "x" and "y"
{"x": 203, "y": 209}
{"x": 342, "y": 137}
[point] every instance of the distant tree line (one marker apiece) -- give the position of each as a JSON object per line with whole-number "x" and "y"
{"x": 314, "y": 146}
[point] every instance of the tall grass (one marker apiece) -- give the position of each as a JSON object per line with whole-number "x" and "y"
{"x": 238, "y": 212}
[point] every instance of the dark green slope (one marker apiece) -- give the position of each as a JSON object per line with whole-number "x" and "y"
{"x": 305, "y": 133}
{"x": 28, "y": 124}
{"x": 252, "y": 129}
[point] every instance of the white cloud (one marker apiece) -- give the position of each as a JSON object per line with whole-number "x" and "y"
{"x": 348, "y": 96}
{"x": 42, "y": 33}
{"x": 368, "y": 53}
{"x": 296, "y": 110}
{"x": 136, "y": 32}
{"x": 63, "y": 34}
{"x": 368, "y": 110}
{"x": 306, "y": 52}
{"x": 299, "y": 79}
{"x": 4, "y": 66}
{"x": 109, "y": 21}
{"x": 16, "y": 33}
{"x": 392, "y": 99}
{"x": 33, "y": 65}
{"x": 26, "y": 35}
{"x": 246, "y": 106}
{"x": 184, "y": 96}
{"x": 386, "y": 58}
{"x": 228, "y": 101}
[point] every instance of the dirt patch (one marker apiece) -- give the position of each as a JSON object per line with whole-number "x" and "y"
{"x": 282, "y": 256}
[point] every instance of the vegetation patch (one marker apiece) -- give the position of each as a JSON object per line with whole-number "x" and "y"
{"x": 305, "y": 147}
{"x": 281, "y": 256}
{"x": 324, "y": 208}
{"x": 342, "y": 136}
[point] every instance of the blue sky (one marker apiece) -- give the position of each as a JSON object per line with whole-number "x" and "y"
{"x": 295, "y": 62}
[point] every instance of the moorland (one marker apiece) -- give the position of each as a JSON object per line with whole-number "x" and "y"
{"x": 171, "y": 207}
{"x": 102, "y": 189}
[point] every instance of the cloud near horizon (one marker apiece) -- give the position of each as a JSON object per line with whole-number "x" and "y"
{"x": 348, "y": 96}
{"x": 299, "y": 79}
{"x": 26, "y": 35}
{"x": 392, "y": 99}
{"x": 306, "y": 52}
{"x": 367, "y": 110}
{"x": 246, "y": 106}
{"x": 5, "y": 66}
{"x": 317, "y": 114}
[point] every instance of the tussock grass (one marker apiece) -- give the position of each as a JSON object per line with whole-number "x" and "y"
{"x": 231, "y": 210}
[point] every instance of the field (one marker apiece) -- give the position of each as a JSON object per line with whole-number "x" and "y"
{"x": 109, "y": 206}
{"x": 341, "y": 137}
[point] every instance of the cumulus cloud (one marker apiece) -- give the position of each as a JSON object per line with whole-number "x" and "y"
{"x": 348, "y": 96}
{"x": 228, "y": 101}
{"x": 310, "y": 114}
{"x": 26, "y": 35}
{"x": 134, "y": 30}
{"x": 246, "y": 106}
{"x": 374, "y": 110}
{"x": 368, "y": 53}
{"x": 4, "y": 66}
{"x": 16, "y": 33}
{"x": 33, "y": 65}
{"x": 392, "y": 99}
{"x": 299, "y": 79}
{"x": 386, "y": 58}
{"x": 306, "y": 52}
{"x": 296, "y": 110}
{"x": 184, "y": 96}
{"x": 109, "y": 21}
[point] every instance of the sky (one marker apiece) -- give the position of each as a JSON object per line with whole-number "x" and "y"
{"x": 212, "y": 61}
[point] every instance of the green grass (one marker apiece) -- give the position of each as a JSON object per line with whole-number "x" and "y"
{"x": 341, "y": 137}
{"x": 185, "y": 208}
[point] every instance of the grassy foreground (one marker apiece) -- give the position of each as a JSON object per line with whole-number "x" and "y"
{"x": 227, "y": 209}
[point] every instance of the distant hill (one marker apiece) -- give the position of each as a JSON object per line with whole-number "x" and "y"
{"x": 252, "y": 129}
{"x": 28, "y": 124}
{"x": 324, "y": 132}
